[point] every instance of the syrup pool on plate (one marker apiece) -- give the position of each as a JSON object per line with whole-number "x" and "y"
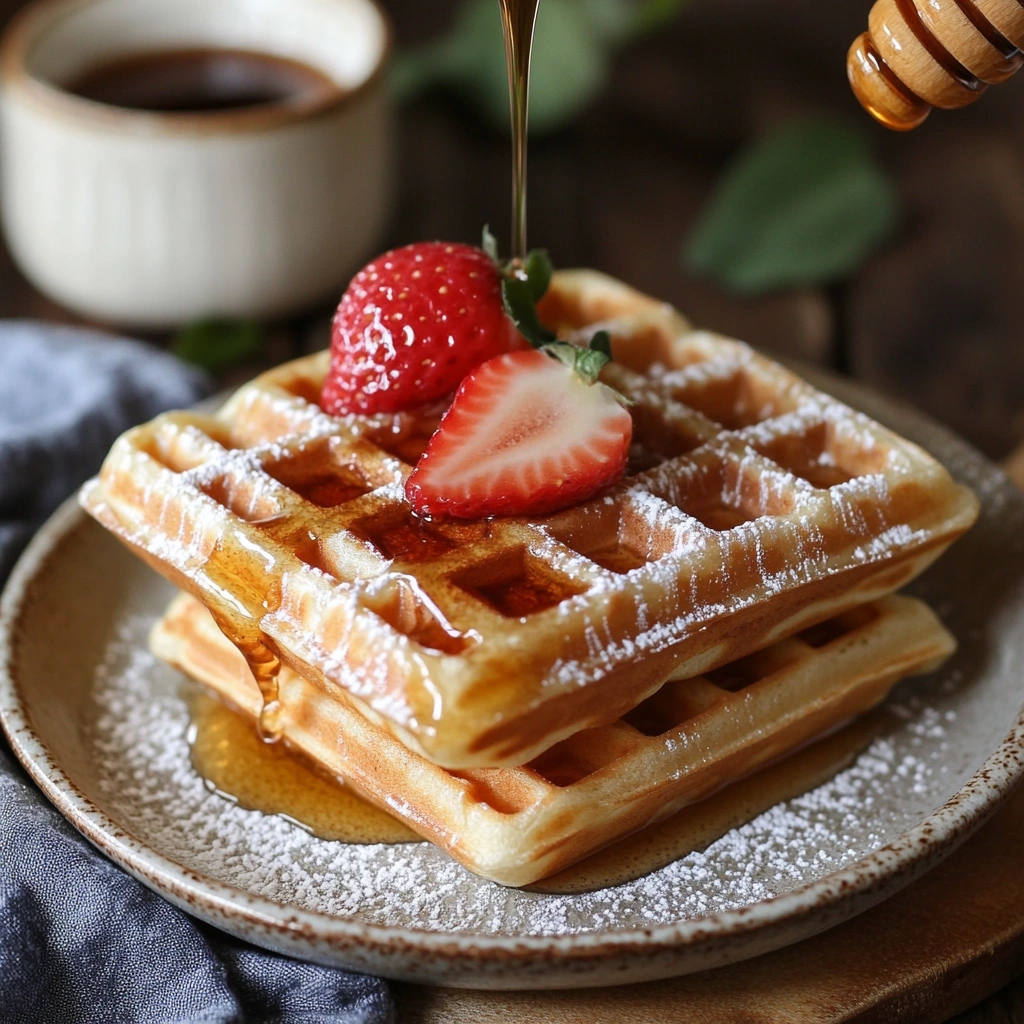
{"x": 229, "y": 754}
{"x": 234, "y": 762}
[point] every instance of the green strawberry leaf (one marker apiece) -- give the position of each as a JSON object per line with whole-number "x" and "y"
{"x": 589, "y": 363}
{"x": 584, "y": 361}
{"x": 602, "y": 342}
{"x": 522, "y": 287}
{"x": 538, "y": 270}
{"x": 216, "y": 343}
{"x": 517, "y": 295}
{"x": 490, "y": 245}
{"x": 563, "y": 352}
{"x": 802, "y": 208}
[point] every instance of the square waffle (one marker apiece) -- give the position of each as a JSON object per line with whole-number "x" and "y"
{"x": 755, "y": 506}
{"x": 518, "y": 825}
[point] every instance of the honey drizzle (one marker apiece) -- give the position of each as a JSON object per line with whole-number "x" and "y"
{"x": 519, "y": 19}
{"x": 274, "y": 779}
{"x": 265, "y": 667}
{"x": 237, "y": 606}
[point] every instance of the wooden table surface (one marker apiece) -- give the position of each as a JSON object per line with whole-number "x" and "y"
{"x": 934, "y": 318}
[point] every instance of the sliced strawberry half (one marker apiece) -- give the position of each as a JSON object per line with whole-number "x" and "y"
{"x": 526, "y": 435}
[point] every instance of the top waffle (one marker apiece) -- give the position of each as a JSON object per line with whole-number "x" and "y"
{"x": 756, "y": 505}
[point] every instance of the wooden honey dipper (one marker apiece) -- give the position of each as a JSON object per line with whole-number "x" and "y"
{"x": 919, "y": 54}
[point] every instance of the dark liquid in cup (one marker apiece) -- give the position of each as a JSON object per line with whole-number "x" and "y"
{"x": 200, "y": 81}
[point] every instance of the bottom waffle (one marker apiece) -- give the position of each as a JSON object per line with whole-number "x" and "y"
{"x": 518, "y": 825}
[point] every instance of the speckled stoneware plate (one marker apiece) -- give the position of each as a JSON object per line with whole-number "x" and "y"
{"x": 102, "y": 728}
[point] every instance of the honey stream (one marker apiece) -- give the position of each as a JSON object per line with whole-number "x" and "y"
{"x": 230, "y": 756}
{"x": 519, "y": 19}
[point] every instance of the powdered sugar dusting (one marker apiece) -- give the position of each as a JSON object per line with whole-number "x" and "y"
{"x": 139, "y": 736}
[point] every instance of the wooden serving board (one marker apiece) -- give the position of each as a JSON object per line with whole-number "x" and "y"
{"x": 933, "y": 950}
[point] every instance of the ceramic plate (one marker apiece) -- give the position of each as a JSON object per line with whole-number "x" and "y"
{"x": 102, "y": 728}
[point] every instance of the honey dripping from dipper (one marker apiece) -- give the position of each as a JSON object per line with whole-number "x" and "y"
{"x": 920, "y": 54}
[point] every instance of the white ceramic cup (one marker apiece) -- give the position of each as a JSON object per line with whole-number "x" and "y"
{"x": 152, "y": 219}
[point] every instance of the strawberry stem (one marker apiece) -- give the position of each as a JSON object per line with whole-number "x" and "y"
{"x": 586, "y": 362}
{"x": 490, "y": 246}
{"x": 523, "y": 284}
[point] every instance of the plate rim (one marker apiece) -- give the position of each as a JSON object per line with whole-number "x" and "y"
{"x": 833, "y": 897}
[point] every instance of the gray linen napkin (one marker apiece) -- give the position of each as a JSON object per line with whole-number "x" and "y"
{"x": 80, "y": 940}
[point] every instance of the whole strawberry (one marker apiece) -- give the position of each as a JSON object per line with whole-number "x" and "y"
{"x": 412, "y": 324}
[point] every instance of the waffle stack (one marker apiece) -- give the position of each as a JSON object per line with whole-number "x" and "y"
{"x": 519, "y": 825}
{"x": 755, "y": 508}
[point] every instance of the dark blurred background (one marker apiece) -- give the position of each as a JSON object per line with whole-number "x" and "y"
{"x": 932, "y": 316}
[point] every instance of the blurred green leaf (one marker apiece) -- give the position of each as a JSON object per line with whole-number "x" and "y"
{"x": 573, "y": 48}
{"x": 622, "y": 20}
{"x": 216, "y": 344}
{"x": 655, "y": 13}
{"x": 803, "y": 207}
{"x": 611, "y": 20}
